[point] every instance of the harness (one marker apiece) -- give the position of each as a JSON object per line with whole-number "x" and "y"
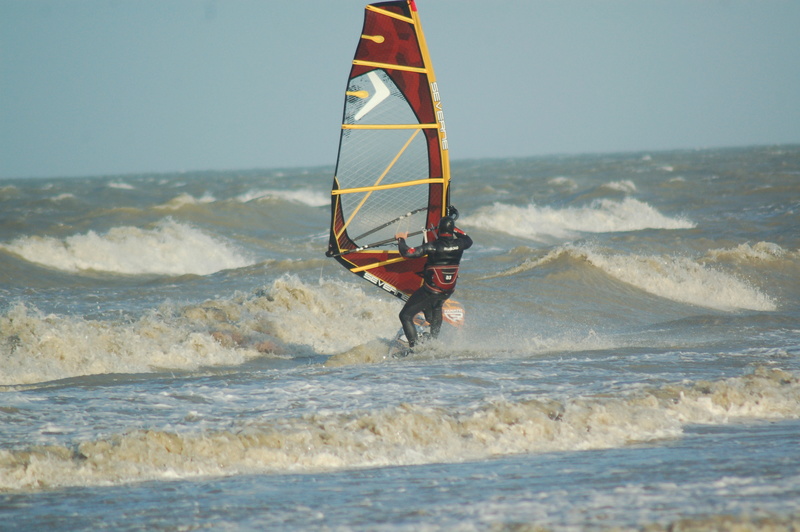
{"x": 441, "y": 278}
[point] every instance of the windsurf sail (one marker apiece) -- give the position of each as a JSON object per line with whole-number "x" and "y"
{"x": 393, "y": 170}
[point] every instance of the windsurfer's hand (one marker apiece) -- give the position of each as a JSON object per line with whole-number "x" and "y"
{"x": 402, "y": 235}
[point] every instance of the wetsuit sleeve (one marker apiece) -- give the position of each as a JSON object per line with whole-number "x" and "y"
{"x": 410, "y": 253}
{"x": 464, "y": 239}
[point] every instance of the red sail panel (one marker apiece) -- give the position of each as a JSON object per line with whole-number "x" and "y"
{"x": 392, "y": 173}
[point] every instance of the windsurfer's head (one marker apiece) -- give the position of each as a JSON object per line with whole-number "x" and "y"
{"x": 446, "y": 226}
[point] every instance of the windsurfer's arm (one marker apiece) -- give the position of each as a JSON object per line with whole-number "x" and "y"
{"x": 405, "y": 251}
{"x": 466, "y": 241}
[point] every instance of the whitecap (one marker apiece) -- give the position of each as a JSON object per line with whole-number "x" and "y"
{"x": 62, "y": 197}
{"x": 601, "y": 216}
{"x": 761, "y": 251}
{"x": 679, "y": 279}
{"x": 121, "y": 185}
{"x": 405, "y": 435}
{"x": 169, "y": 248}
{"x": 185, "y": 199}
{"x": 561, "y": 181}
{"x": 312, "y": 198}
{"x": 627, "y": 186}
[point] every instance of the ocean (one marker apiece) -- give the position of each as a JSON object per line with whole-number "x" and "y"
{"x": 179, "y": 354}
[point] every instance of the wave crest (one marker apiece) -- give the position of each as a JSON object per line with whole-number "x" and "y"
{"x": 678, "y": 279}
{"x": 601, "y": 216}
{"x": 406, "y": 434}
{"x": 170, "y": 248}
{"x": 40, "y": 348}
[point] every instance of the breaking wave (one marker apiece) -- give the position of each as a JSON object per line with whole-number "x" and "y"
{"x": 406, "y": 434}
{"x": 170, "y": 248}
{"x": 183, "y": 200}
{"x": 37, "y": 348}
{"x": 312, "y": 198}
{"x": 760, "y": 251}
{"x": 675, "y": 278}
{"x": 601, "y": 216}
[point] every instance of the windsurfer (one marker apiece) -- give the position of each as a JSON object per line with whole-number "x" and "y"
{"x": 440, "y": 275}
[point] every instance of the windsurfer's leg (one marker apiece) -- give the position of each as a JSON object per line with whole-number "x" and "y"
{"x": 435, "y": 316}
{"x": 415, "y": 304}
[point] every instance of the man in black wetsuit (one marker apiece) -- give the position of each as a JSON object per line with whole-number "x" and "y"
{"x": 441, "y": 273}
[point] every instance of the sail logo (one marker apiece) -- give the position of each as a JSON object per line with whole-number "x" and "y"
{"x": 380, "y": 283}
{"x": 455, "y": 315}
{"x": 381, "y": 93}
{"x": 439, "y": 113}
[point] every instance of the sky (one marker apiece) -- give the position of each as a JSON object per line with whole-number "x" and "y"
{"x": 107, "y": 87}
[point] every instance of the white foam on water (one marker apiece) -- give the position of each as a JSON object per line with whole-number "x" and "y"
{"x": 183, "y": 200}
{"x": 169, "y": 248}
{"x": 121, "y": 185}
{"x": 39, "y": 348}
{"x": 328, "y": 317}
{"x": 561, "y": 181}
{"x": 675, "y": 278}
{"x": 760, "y": 251}
{"x": 310, "y": 197}
{"x": 63, "y": 197}
{"x": 601, "y": 216}
{"x": 627, "y": 186}
{"x": 681, "y": 279}
{"x": 406, "y": 434}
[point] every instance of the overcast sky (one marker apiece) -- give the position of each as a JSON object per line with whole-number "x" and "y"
{"x": 97, "y": 87}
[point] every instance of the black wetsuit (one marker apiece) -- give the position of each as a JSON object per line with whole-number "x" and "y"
{"x": 441, "y": 273}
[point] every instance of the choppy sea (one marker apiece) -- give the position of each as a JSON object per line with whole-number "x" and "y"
{"x": 176, "y": 353}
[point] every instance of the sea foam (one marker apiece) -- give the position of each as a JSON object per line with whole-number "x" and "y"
{"x": 405, "y": 434}
{"x": 41, "y": 348}
{"x": 682, "y": 279}
{"x": 121, "y": 185}
{"x": 169, "y": 248}
{"x": 312, "y": 198}
{"x": 675, "y": 278}
{"x": 183, "y": 200}
{"x": 760, "y": 251}
{"x": 601, "y": 216}
{"x": 36, "y": 347}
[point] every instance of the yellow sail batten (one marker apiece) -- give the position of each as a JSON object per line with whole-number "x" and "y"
{"x": 390, "y": 126}
{"x": 389, "y": 186}
{"x": 376, "y": 265}
{"x": 374, "y": 38}
{"x": 390, "y": 66}
{"x": 389, "y": 14}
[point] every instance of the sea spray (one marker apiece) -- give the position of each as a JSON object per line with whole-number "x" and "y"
{"x": 183, "y": 200}
{"x": 406, "y": 434}
{"x": 676, "y": 278}
{"x": 600, "y": 216}
{"x": 168, "y": 248}
{"x": 39, "y": 348}
{"x": 328, "y": 317}
{"x": 311, "y": 197}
